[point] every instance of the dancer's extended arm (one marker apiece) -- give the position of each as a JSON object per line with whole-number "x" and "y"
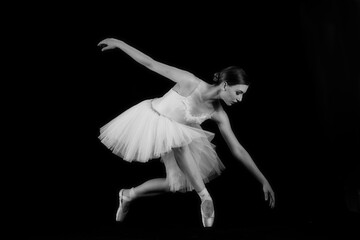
{"x": 179, "y": 76}
{"x": 241, "y": 154}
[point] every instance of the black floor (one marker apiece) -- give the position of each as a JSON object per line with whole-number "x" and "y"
{"x": 162, "y": 221}
{"x": 318, "y": 231}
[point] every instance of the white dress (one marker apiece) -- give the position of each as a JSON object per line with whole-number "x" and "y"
{"x": 153, "y": 127}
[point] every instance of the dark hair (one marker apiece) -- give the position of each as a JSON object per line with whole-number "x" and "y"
{"x": 232, "y": 75}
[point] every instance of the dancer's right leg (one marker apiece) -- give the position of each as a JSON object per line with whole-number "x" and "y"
{"x": 149, "y": 188}
{"x": 187, "y": 164}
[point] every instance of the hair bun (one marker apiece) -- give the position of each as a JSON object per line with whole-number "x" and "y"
{"x": 216, "y": 77}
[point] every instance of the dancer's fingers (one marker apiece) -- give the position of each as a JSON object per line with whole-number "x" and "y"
{"x": 266, "y": 195}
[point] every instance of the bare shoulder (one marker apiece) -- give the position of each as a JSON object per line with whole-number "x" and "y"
{"x": 219, "y": 115}
{"x": 187, "y": 87}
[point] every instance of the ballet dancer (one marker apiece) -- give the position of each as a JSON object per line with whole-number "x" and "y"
{"x": 169, "y": 128}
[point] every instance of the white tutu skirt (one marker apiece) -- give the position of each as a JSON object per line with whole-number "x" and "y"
{"x": 141, "y": 133}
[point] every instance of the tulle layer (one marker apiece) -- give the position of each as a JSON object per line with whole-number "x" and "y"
{"x": 203, "y": 160}
{"x": 140, "y": 134}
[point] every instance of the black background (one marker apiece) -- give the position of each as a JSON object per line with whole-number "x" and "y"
{"x": 299, "y": 120}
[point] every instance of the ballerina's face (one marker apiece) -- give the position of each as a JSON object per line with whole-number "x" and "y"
{"x": 233, "y": 94}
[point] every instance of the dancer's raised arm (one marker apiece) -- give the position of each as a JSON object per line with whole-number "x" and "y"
{"x": 177, "y": 75}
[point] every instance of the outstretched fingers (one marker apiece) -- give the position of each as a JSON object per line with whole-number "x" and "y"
{"x": 103, "y": 42}
{"x": 272, "y": 199}
{"x": 266, "y": 195}
{"x": 105, "y": 48}
{"x": 270, "y": 196}
{"x": 106, "y": 44}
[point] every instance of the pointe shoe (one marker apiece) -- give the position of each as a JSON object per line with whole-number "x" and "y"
{"x": 123, "y": 209}
{"x": 207, "y": 213}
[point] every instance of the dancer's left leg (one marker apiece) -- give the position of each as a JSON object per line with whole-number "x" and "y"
{"x": 149, "y": 188}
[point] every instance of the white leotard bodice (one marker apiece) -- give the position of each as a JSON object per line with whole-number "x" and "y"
{"x": 180, "y": 108}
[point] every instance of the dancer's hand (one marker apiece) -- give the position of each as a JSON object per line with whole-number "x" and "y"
{"x": 108, "y": 43}
{"x": 269, "y": 194}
